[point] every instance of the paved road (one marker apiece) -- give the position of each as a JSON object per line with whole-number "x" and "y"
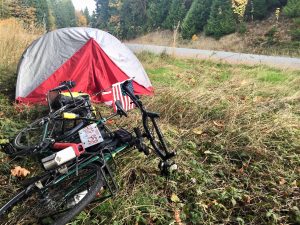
{"x": 229, "y": 57}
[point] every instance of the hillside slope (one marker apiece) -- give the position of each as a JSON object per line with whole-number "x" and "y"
{"x": 260, "y": 38}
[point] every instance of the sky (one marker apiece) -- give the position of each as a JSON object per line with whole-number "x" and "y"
{"x": 81, "y": 4}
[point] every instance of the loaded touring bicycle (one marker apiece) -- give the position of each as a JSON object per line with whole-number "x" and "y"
{"x": 75, "y": 148}
{"x": 78, "y": 161}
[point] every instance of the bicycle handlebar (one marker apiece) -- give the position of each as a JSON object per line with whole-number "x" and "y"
{"x": 164, "y": 154}
{"x": 65, "y": 85}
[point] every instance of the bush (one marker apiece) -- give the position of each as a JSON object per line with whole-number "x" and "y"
{"x": 242, "y": 28}
{"x": 221, "y": 20}
{"x": 295, "y": 33}
{"x": 292, "y": 9}
{"x": 196, "y": 18}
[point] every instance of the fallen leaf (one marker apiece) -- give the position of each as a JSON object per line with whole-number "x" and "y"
{"x": 244, "y": 82}
{"x": 175, "y": 198}
{"x": 294, "y": 183}
{"x": 19, "y": 172}
{"x": 258, "y": 99}
{"x": 218, "y": 123}
{"x": 282, "y": 181}
{"x": 177, "y": 217}
{"x": 197, "y": 131}
{"x": 247, "y": 199}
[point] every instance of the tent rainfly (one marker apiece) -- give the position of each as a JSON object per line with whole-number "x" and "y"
{"x": 92, "y": 58}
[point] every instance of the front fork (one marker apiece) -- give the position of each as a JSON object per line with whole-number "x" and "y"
{"x": 165, "y": 166}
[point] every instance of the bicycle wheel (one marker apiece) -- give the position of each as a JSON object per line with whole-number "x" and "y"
{"x": 56, "y": 201}
{"x": 34, "y": 134}
{"x": 30, "y": 136}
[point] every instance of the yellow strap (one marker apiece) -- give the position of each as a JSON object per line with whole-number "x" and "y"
{"x": 69, "y": 115}
{"x": 74, "y": 94}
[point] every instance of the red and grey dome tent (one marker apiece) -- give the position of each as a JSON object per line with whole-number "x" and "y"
{"x": 92, "y": 58}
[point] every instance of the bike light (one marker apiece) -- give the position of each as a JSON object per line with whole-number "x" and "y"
{"x": 63, "y": 156}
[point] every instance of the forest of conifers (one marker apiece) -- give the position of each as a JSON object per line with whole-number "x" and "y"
{"x": 130, "y": 18}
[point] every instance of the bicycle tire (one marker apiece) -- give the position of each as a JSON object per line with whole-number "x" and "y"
{"x": 41, "y": 209}
{"x": 18, "y": 143}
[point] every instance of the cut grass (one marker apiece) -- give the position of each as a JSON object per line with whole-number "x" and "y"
{"x": 236, "y": 130}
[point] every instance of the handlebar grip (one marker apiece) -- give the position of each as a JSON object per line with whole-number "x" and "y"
{"x": 127, "y": 89}
{"x": 65, "y": 85}
{"x": 59, "y": 88}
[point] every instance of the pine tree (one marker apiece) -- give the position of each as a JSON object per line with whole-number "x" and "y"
{"x": 87, "y": 15}
{"x": 157, "y": 12}
{"x": 260, "y": 8}
{"x": 41, "y": 11}
{"x": 221, "y": 19}
{"x": 133, "y": 18}
{"x": 64, "y": 13}
{"x": 196, "y": 18}
{"x": 292, "y": 9}
{"x": 102, "y": 14}
{"x": 176, "y": 14}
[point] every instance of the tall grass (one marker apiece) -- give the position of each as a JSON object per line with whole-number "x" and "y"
{"x": 14, "y": 38}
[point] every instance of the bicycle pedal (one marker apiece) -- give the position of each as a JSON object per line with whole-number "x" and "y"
{"x": 167, "y": 168}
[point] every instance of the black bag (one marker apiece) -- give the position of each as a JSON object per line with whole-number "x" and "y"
{"x": 123, "y": 135}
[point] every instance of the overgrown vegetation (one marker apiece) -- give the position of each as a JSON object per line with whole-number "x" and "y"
{"x": 48, "y": 14}
{"x": 236, "y": 130}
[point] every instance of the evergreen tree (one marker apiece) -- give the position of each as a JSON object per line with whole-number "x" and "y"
{"x": 102, "y": 14}
{"x": 260, "y": 9}
{"x": 176, "y": 14}
{"x": 157, "y": 12}
{"x": 196, "y": 18}
{"x": 221, "y": 19}
{"x": 64, "y": 13}
{"x": 87, "y": 15}
{"x": 41, "y": 11}
{"x": 133, "y": 18}
{"x": 292, "y": 9}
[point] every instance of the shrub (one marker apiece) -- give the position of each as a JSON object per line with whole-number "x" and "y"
{"x": 295, "y": 33}
{"x": 242, "y": 28}
{"x": 221, "y": 20}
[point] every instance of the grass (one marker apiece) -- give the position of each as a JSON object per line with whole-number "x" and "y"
{"x": 236, "y": 130}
